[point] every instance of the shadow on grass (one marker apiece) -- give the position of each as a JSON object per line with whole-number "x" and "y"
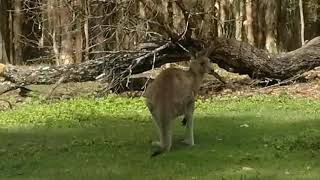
{"x": 119, "y": 148}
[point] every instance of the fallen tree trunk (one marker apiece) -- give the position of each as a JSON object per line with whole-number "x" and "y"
{"x": 114, "y": 67}
{"x": 229, "y": 54}
{"x": 242, "y": 58}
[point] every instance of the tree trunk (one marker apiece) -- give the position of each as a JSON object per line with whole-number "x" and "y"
{"x": 207, "y": 23}
{"x": 66, "y": 50}
{"x": 289, "y": 26}
{"x": 3, "y": 53}
{"x": 249, "y": 22}
{"x": 260, "y": 28}
{"x": 53, "y": 26}
{"x": 223, "y": 18}
{"x": 301, "y": 22}
{"x": 243, "y": 58}
{"x": 78, "y": 37}
{"x": 239, "y": 16}
{"x": 117, "y": 65}
{"x": 86, "y": 29}
{"x": 311, "y": 13}
{"x": 271, "y": 25}
{"x": 232, "y": 55}
{"x": 178, "y": 19}
{"x": 4, "y": 32}
{"x": 17, "y": 32}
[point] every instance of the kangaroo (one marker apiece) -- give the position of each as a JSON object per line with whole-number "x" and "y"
{"x": 172, "y": 94}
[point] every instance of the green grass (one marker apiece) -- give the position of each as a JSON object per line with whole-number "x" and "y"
{"x": 259, "y": 137}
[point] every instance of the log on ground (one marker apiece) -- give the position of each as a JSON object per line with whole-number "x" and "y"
{"x": 242, "y": 58}
{"x": 232, "y": 55}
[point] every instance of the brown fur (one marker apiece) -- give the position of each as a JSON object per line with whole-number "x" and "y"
{"x": 173, "y": 94}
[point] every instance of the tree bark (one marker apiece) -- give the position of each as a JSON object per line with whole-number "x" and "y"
{"x": 242, "y": 58}
{"x": 3, "y": 52}
{"x": 66, "y": 20}
{"x": 230, "y": 54}
{"x": 223, "y": 18}
{"x": 4, "y": 32}
{"x": 86, "y": 29}
{"x": 78, "y": 37}
{"x": 239, "y": 16}
{"x": 17, "y": 32}
{"x": 249, "y": 22}
{"x": 271, "y": 22}
{"x": 115, "y": 66}
{"x": 53, "y": 26}
{"x": 260, "y": 19}
{"x": 301, "y": 22}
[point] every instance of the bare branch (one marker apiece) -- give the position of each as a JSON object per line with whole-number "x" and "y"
{"x": 9, "y": 103}
{"x": 60, "y": 81}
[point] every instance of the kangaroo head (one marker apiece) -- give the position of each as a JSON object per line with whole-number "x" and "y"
{"x": 200, "y": 65}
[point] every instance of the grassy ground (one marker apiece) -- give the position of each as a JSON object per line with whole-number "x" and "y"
{"x": 258, "y": 137}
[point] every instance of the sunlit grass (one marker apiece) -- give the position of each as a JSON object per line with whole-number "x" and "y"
{"x": 259, "y": 137}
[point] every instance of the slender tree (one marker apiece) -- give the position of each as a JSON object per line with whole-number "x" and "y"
{"x": 301, "y": 21}
{"x": 249, "y": 22}
{"x": 4, "y": 32}
{"x": 271, "y": 25}
{"x": 239, "y": 18}
{"x": 17, "y": 32}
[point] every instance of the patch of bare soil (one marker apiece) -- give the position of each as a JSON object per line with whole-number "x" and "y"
{"x": 308, "y": 89}
{"x": 246, "y": 87}
{"x": 242, "y": 85}
{"x": 42, "y": 92}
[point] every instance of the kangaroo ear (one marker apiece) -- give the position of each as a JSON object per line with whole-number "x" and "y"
{"x": 198, "y": 54}
{"x": 193, "y": 56}
{"x": 205, "y": 52}
{"x": 210, "y": 49}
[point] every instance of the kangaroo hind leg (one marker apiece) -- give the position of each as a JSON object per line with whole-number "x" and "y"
{"x": 165, "y": 135}
{"x": 188, "y": 118}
